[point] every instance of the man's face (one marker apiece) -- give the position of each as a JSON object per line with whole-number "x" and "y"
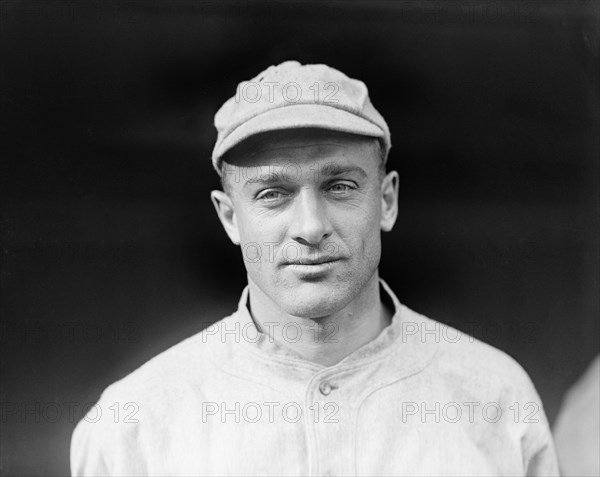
{"x": 307, "y": 213}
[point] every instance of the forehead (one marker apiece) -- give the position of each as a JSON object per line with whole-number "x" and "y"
{"x": 303, "y": 145}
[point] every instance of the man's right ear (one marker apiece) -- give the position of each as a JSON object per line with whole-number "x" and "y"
{"x": 226, "y": 212}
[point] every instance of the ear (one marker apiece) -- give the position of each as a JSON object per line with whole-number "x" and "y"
{"x": 389, "y": 200}
{"x": 226, "y": 212}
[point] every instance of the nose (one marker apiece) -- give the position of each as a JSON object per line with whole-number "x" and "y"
{"x": 310, "y": 224}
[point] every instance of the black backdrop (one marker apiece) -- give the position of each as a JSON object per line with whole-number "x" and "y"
{"x": 111, "y": 251}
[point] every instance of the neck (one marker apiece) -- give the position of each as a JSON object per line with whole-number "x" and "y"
{"x": 325, "y": 340}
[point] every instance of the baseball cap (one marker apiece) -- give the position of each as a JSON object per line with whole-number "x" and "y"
{"x": 291, "y": 95}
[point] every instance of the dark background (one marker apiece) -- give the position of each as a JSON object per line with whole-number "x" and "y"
{"x": 111, "y": 251}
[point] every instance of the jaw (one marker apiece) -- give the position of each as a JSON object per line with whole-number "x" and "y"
{"x": 312, "y": 299}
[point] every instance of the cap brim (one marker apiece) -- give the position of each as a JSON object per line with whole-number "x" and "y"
{"x": 297, "y": 116}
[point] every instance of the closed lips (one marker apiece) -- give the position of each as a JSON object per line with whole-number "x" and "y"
{"x": 312, "y": 262}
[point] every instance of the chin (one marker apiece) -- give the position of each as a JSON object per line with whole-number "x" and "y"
{"x": 314, "y": 301}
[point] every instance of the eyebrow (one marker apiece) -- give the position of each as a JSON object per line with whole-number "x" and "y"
{"x": 337, "y": 170}
{"x": 328, "y": 170}
{"x": 270, "y": 178}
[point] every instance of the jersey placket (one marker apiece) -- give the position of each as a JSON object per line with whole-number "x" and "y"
{"x": 330, "y": 423}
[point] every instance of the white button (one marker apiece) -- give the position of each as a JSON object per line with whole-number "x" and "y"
{"x": 325, "y": 388}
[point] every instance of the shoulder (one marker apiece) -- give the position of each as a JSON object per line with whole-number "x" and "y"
{"x": 466, "y": 370}
{"x": 142, "y": 402}
{"x": 459, "y": 357}
{"x": 186, "y": 364}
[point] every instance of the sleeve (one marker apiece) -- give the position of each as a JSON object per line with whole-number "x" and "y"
{"x": 88, "y": 452}
{"x": 541, "y": 459}
{"x": 539, "y": 456}
{"x": 104, "y": 444}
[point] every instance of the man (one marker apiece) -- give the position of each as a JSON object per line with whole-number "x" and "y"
{"x": 321, "y": 370}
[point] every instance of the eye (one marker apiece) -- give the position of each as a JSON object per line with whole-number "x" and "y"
{"x": 270, "y": 195}
{"x": 341, "y": 187}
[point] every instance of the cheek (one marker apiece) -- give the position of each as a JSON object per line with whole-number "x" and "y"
{"x": 260, "y": 242}
{"x": 364, "y": 238}
{"x": 253, "y": 226}
{"x": 361, "y": 222}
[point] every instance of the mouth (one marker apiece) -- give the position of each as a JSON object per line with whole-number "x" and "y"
{"x": 312, "y": 269}
{"x": 319, "y": 261}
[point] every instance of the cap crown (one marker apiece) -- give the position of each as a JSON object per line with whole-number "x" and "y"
{"x": 292, "y": 95}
